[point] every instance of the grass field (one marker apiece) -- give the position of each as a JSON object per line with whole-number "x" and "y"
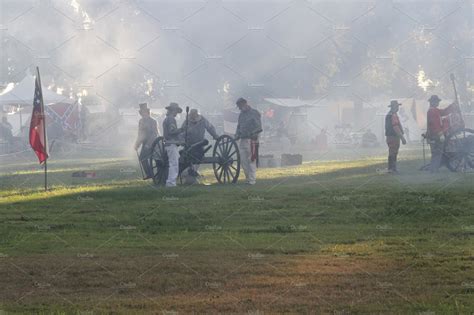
{"x": 325, "y": 237}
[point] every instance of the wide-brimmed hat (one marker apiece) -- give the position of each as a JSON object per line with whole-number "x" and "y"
{"x": 434, "y": 99}
{"x": 174, "y": 106}
{"x": 241, "y": 100}
{"x": 394, "y": 103}
{"x": 143, "y": 106}
{"x": 194, "y": 115}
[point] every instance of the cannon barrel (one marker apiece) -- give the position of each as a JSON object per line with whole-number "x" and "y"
{"x": 201, "y": 143}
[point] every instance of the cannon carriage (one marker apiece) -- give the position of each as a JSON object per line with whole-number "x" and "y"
{"x": 459, "y": 151}
{"x": 225, "y": 159}
{"x": 458, "y": 146}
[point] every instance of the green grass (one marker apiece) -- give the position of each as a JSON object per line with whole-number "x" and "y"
{"x": 324, "y": 237}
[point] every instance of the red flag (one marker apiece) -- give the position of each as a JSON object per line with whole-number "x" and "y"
{"x": 38, "y": 124}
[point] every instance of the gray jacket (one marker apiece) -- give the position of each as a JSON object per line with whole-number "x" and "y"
{"x": 196, "y": 130}
{"x": 249, "y": 124}
{"x": 147, "y": 132}
{"x": 171, "y": 132}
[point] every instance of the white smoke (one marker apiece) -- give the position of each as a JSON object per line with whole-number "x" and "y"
{"x": 86, "y": 20}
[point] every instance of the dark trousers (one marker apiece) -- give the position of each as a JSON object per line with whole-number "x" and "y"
{"x": 393, "y": 147}
{"x": 196, "y": 154}
{"x": 436, "y": 155}
{"x": 144, "y": 156}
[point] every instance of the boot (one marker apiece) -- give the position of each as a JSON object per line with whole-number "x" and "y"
{"x": 390, "y": 164}
{"x": 394, "y": 164}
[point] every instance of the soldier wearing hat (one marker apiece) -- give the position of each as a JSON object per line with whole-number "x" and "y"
{"x": 196, "y": 125}
{"x": 436, "y": 129}
{"x": 393, "y": 134}
{"x": 173, "y": 139}
{"x": 147, "y": 133}
{"x": 249, "y": 127}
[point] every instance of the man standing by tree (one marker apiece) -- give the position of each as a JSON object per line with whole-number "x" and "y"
{"x": 249, "y": 126}
{"x": 147, "y": 133}
{"x": 393, "y": 133}
{"x": 435, "y": 131}
{"x": 172, "y": 133}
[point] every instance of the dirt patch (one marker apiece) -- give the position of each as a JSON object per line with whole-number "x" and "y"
{"x": 202, "y": 282}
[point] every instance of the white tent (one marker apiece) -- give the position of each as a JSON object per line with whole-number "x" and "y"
{"x": 22, "y": 94}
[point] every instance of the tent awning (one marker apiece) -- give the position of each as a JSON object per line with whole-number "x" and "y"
{"x": 22, "y": 94}
{"x": 293, "y": 102}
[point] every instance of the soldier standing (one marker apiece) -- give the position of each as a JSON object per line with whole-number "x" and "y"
{"x": 6, "y": 130}
{"x": 393, "y": 134}
{"x": 172, "y": 135}
{"x": 249, "y": 127}
{"x": 436, "y": 130}
{"x": 147, "y": 133}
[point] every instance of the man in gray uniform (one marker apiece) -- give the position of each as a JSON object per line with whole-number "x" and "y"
{"x": 249, "y": 126}
{"x": 173, "y": 138}
{"x": 197, "y": 126}
{"x": 147, "y": 133}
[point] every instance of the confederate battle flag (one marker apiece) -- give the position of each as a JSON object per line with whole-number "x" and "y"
{"x": 38, "y": 125}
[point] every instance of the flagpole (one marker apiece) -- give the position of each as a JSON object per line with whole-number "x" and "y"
{"x": 44, "y": 133}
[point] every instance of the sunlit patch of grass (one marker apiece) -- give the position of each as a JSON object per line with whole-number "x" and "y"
{"x": 61, "y": 165}
{"x": 312, "y": 168}
{"x": 364, "y": 248}
{"x": 37, "y": 193}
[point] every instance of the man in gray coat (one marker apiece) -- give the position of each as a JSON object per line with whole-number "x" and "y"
{"x": 147, "y": 133}
{"x": 249, "y": 127}
{"x": 196, "y": 125}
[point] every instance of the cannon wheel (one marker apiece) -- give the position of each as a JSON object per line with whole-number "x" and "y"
{"x": 159, "y": 161}
{"x": 227, "y": 156}
{"x": 463, "y": 160}
{"x": 457, "y": 162}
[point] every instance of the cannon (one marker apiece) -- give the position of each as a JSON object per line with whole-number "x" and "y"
{"x": 458, "y": 151}
{"x": 225, "y": 159}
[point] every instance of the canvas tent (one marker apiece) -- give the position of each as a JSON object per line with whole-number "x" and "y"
{"x": 22, "y": 94}
{"x": 288, "y": 116}
{"x": 19, "y": 97}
